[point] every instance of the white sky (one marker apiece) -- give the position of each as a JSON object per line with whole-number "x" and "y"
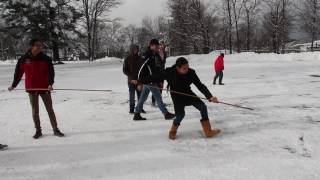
{"x": 133, "y": 11}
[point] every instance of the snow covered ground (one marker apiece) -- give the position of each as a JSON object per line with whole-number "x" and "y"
{"x": 279, "y": 140}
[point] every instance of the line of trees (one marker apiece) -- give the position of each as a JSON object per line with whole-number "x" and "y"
{"x": 83, "y": 28}
{"x": 241, "y": 25}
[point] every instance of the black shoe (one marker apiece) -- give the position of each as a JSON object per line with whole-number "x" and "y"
{"x": 169, "y": 116}
{"x": 214, "y": 83}
{"x": 58, "y": 133}
{"x": 3, "y": 147}
{"x": 137, "y": 117}
{"x": 221, "y": 84}
{"x": 143, "y": 111}
{"x": 37, "y": 135}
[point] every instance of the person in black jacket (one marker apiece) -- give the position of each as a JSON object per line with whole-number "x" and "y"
{"x": 179, "y": 78}
{"x": 150, "y": 76}
{"x": 131, "y": 66}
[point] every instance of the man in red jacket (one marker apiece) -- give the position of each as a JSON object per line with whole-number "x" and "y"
{"x": 219, "y": 67}
{"x": 39, "y": 78}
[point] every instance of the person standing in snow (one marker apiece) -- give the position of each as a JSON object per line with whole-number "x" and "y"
{"x": 179, "y": 78}
{"x": 150, "y": 76}
{"x": 161, "y": 64}
{"x": 219, "y": 67}
{"x": 3, "y": 147}
{"x": 39, "y": 79}
{"x": 131, "y": 66}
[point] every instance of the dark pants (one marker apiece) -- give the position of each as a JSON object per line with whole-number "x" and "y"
{"x": 153, "y": 98}
{"x": 47, "y": 100}
{"x": 132, "y": 90}
{"x": 180, "y": 112}
{"x": 218, "y": 75}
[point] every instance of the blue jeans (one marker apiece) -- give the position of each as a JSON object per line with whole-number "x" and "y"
{"x": 144, "y": 96}
{"x": 132, "y": 91}
{"x": 181, "y": 113}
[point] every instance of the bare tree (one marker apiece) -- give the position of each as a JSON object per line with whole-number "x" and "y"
{"x": 250, "y": 7}
{"x": 276, "y": 24}
{"x": 92, "y": 10}
{"x": 309, "y": 13}
{"x": 230, "y": 23}
{"x": 237, "y": 6}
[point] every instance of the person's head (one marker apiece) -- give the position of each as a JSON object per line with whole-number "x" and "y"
{"x": 154, "y": 45}
{"x": 134, "y": 49}
{"x": 182, "y": 65}
{"x": 36, "y": 46}
{"x": 162, "y": 46}
{"x": 222, "y": 54}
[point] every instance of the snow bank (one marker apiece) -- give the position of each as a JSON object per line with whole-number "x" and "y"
{"x": 277, "y": 141}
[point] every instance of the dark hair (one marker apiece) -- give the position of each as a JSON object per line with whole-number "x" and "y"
{"x": 154, "y": 42}
{"x": 34, "y": 40}
{"x": 222, "y": 54}
{"x": 181, "y": 61}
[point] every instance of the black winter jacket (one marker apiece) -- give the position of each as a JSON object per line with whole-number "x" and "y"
{"x": 150, "y": 72}
{"x": 182, "y": 83}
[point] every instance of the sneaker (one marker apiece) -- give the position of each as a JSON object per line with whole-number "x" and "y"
{"x": 138, "y": 117}
{"x": 3, "y": 147}
{"x": 169, "y": 116}
{"x": 37, "y": 135}
{"x": 58, "y": 133}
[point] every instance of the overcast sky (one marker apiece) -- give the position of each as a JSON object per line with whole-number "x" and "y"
{"x": 133, "y": 11}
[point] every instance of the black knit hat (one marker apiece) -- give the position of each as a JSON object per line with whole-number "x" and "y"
{"x": 154, "y": 42}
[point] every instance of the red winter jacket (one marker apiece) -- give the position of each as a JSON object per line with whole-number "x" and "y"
{"x": 219, "y": 64}
{"x": 39, "y": 71}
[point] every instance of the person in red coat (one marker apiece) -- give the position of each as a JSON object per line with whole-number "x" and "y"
{"x": 39, "y": 79}
{"x": 219, "y": 67}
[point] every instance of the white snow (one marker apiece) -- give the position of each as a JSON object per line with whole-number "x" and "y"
{"x": 279, "y": 140}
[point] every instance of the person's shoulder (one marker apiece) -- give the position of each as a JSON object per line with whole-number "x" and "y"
{"x": 24, "y": 57}
{"x": 127, "y": 58}
{"x": 45, "y": 57}
{"x": 147, "y": 54}
{"x": 192, "y": 71}
{"x": 169, "y": 68}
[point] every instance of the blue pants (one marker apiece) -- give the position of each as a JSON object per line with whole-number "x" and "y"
{"x": 144, "y": 96}
{"x": 180, "y": 113}
{"x": 132, "y": 90}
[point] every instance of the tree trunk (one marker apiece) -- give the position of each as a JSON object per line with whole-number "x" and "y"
{"x": 237, "y": 28}
{"x": 55, "y": 51}
{"x": 230, "y": 26}
{"x": 283, "y": 32}
{"x": 248, "y": 30}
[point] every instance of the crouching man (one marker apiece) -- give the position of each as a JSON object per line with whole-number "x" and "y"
{"x": 179, "y": 78}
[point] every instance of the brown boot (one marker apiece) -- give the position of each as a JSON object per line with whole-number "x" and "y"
{"x": 173, "y": 132}
{"x": 208, "y": 132}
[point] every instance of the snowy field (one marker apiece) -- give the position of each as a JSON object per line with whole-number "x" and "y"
{"x": 280, "y": 140}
